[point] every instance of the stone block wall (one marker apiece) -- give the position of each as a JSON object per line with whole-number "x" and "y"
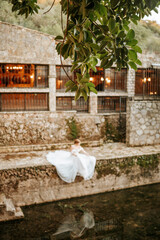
{"x": 143, "y": 122}
{"x": 48, "y": 128}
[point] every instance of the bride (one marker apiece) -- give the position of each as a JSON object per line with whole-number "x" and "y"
{"x": 73, "y": 163}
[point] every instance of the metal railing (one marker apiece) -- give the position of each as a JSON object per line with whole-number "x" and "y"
{"x": 24, "y": 102}
{"x": 68, "y": 104}
{"x": 111, "y": 104}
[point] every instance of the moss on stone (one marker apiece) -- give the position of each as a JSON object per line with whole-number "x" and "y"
{"x": 147, "y": 163}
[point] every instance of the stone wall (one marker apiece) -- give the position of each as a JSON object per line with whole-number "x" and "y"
{"x": 47, "y": 128}
{"x": 143, "y": 122}
{"x": 23, "y": 45}
{"x": 32, "y": 185}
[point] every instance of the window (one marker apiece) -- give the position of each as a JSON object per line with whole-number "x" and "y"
{"x": 147, "y": 82}
{"x": 111, "y": 104}
{"x": 23, "y": 75}
{"x": 68, "y": 103}
{"x": 24, "y": 102}
{"x": 103, "y": 80}
{"x": 61, "y": 77}
{"x": 116, "y": 80}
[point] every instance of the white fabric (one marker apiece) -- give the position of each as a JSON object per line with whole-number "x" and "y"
{"x": 75, "y": 227}
{"x": 71, "y": 164}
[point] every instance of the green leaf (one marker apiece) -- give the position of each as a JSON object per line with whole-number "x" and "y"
{"x": 114, "y": 3}
{"x": 94, "y": 61}
{"x": 78, "y": 94}
{"x": 137, "y": 49}
{"x": 92, "y": 89}
{"x": 104, "y": 61}
{"x": 84, "y": 94}
{"x": 111, "y": 24}
{"x": 90, "y": 84}
{"x": 138, "y": 62}
{"x": 100, "y": 38}
{"x": 131, "y": 34}
{"x": 133, "y": 65}
{"x": 102, "y": 10}
{"x": 58, "y": 37}
{"x": 69, "y": 83}
{"x": 132, "y": 43}
{"x": 132, "y": 55}
{"x": 64, "y": 49}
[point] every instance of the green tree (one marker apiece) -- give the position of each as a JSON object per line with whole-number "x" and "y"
{"x": 97, "y": 31}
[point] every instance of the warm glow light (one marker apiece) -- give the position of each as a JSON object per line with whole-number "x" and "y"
{"x": 155, "y": 92}
{"x": 91, "y": 79}
{"x": 102, "y": 79}
{"x": 149, "y": 79}
{"x": 108, "y": 80}
{"x": 151, "y": 93}
{"x": 31, "y": 76}
{"x": 39, "y": 78}
{"x": 144, "y": 80}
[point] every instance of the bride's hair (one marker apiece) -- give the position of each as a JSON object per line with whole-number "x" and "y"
{"x": 76, "y": 141}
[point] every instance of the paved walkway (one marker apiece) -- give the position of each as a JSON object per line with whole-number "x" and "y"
{"x": 107, "y": 151}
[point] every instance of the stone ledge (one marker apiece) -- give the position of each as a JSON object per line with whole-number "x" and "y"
{"x": 42, "y": 147}
{"x": 34, "y": 185}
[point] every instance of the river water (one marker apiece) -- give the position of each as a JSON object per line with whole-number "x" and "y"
{"x": 132, "y": 214}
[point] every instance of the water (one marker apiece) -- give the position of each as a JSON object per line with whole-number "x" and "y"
{"x": 132, "y": 214}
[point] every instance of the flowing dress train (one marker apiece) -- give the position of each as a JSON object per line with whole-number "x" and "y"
{"x": 71, "y": 164}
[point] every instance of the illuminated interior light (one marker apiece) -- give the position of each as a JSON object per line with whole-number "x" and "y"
{"x": 144, "y": 80}
{"x": 31, "y": 76}
{"x": 151, "y": 93}
{"x": 155, "y": 92}
{"x": 91, "y": 79}
{"x": 108, "y": 80}
{"x": 149, "y": 79}
{"x": 102, "y": 79}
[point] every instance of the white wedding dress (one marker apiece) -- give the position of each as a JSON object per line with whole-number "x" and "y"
{"x": 71, "y": 164}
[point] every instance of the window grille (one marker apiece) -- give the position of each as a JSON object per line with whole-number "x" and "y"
{"x": 116, "y": 80}
{"x": 111, "y": 104}
{"x": 23, "y": 76}
{"x": 109, "y": 79}
{"x": 68, "y": 104}
{"x": 147, "y": 82}
{"x": 24, "y": 102}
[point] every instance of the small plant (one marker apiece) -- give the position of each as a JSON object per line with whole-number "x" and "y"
{"x": 111, "y": 132}
{"x": 73, "y": 128}
{"x": 116, "y": 134}
{"x": 121, "y": 129}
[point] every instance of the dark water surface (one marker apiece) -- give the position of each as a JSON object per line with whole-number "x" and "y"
{"x": 132, "y": 214}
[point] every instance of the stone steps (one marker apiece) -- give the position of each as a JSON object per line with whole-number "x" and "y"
{"x": 8, "y": 211}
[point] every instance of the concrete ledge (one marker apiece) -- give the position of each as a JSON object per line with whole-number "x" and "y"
{"x": 34, "y": 185}
{"x": 42, "y": 147}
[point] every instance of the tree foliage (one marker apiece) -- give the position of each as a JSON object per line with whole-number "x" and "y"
{"x": 97, "y": 31}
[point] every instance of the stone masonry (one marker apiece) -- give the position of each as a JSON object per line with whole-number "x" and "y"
{"x": 143, "y": 122}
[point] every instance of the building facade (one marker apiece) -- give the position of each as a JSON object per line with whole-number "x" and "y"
{"x": 34, "y": 107}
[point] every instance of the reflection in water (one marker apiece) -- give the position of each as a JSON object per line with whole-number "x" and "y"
{"x": 75, "y": 227}
{"x": 131, "y": 214}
